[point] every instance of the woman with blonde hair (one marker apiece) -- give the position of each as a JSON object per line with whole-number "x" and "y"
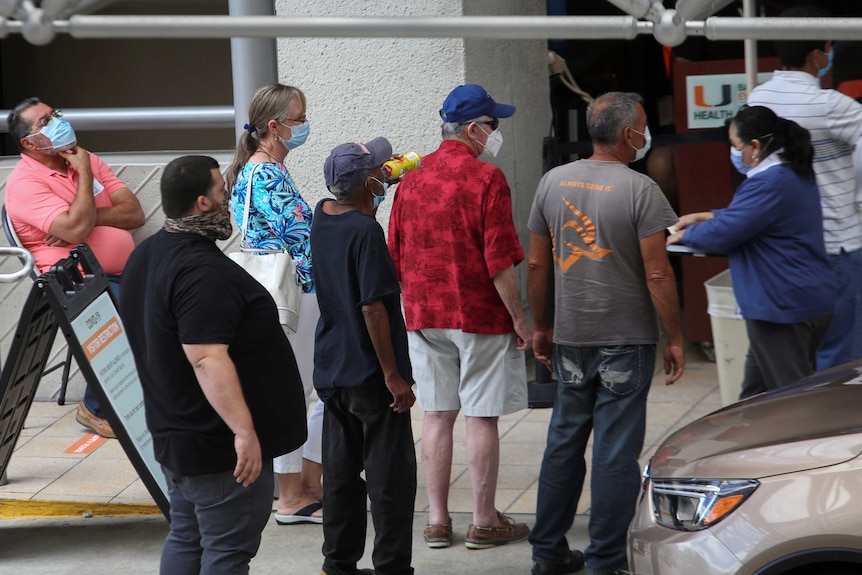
{"x": 279, "y": 218}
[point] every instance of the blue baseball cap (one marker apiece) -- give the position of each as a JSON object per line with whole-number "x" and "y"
{"x": 470, "y": 101}
{"x": 348, "y": 165}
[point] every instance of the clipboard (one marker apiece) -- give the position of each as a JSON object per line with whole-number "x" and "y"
{"x": 679, "y": 249}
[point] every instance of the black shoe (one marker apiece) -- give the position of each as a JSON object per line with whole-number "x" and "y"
{"x": 574, "y": 562}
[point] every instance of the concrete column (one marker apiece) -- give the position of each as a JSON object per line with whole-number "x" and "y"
{"x": 360, "y": 88}
{"x": 253, "y": 61}
{"x": 515, "y": 72}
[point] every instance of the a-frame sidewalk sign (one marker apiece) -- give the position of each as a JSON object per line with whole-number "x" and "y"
{"x": 75, "y": 296}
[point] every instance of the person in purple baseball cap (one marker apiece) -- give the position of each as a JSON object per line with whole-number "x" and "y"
{"x": 362, "y": 370}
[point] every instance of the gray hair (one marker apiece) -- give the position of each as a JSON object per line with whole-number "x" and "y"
{"x": 19, "y": 128}
{"x": 454, "y": 130}
{"x": 610, "y": 113}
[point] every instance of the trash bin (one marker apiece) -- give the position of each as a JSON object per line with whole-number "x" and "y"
{"x": 728, "y": 334}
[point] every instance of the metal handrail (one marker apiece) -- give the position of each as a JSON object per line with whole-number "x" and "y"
{"x": 26, "y": 259}
{"x": 671, "y": 27}
{"x": 148, "y": 118}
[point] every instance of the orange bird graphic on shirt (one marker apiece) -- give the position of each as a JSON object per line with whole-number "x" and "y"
{"x": 587, "y": 231}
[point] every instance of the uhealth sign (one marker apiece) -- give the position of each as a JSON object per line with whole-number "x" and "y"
{"x": 715, "y": 98}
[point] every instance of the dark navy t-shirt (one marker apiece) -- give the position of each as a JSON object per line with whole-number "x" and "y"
{"x": 352, "y": 267}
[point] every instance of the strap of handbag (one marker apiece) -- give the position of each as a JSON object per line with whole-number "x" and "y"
{"x": 244, "y": 228}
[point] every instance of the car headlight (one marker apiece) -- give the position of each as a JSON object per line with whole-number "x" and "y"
{"x": 693, "y": 504}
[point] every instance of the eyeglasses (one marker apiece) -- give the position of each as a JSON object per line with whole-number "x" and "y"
{"x": 301, "y": 120}
{"x": 495, "y": 123}
{"x": 46, "y": 119}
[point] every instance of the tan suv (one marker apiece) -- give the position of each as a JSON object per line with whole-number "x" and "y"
{"x": 767, "y": 486}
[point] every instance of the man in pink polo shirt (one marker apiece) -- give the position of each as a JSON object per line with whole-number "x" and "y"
{"x": 60, "y": 195}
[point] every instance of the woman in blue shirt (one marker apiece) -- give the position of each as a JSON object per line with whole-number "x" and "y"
{"x": 279, "y": 218}
{"x": 772, "y": 232}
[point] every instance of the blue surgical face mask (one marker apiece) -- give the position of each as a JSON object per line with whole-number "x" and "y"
{"x": 61, "y": 134}
{"x": 736, "y": 160}
{"x": 298, "y": 135}
{"x": 377, "y": 200}
{"x": 825, "y": 70}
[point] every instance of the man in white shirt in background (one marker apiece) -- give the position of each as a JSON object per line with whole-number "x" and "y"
{"x": 835, "y": 123}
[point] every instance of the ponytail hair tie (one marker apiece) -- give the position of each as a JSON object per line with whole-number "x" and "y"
{"x": 250, "y": 127}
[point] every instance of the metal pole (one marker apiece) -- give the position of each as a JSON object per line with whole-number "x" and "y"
{"x": 637, "y": 8}
{"x": 85, "y": 7}
{"x": 721, "y": 28}
{"x": 487, "y": 27}
{"x": 699, "y": 9}
{"x": 253, "y": 60}
{"x": 748, "y": 11}
{"x": 165, "y": 118}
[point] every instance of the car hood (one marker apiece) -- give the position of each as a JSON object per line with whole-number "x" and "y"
{"x": 817, "y": 422}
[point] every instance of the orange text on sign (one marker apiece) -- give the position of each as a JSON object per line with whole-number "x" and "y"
{"x": 98, "y": 342}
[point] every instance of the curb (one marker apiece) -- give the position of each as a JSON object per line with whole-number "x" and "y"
{"x": 16, "y": 508}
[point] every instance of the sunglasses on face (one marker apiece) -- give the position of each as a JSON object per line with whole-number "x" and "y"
{"x": 495, "y": 123}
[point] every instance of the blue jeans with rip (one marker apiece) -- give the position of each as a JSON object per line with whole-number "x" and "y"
{"x": 602, "y": 390}
{"x": 216, "y": 523}
{"x": 843, "y": 340}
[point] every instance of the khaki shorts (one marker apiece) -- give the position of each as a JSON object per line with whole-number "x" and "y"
{"x": 483, "y": 375}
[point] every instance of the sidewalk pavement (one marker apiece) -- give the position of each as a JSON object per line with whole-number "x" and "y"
{"x": 70, "y": 513}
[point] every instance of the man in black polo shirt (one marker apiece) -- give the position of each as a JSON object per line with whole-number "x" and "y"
{"x": 362, "y": 370}
{"x": 221, "y": 389}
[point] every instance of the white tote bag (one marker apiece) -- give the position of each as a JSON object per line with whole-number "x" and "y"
{"x": 273, "y": 269}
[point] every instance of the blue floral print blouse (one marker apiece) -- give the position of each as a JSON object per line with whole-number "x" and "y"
{"x": 279, "y": 218}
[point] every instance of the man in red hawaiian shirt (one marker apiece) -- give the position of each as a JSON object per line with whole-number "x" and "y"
{"x": 455, "y": 248}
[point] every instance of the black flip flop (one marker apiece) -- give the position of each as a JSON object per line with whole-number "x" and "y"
{"x": 301, "y": 517}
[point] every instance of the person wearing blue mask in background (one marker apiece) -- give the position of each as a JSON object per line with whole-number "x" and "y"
{"x": 279, "y": 218}
{"x": 835, "y": 123}
{"x": 772, "y": 232}
{"x": 60, "y": 195}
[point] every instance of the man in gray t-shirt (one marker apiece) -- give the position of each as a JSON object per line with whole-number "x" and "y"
{"x": 600, "y": 226}
{"x": 595, "y": 214}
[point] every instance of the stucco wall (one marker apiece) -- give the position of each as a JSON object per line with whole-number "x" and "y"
{"x": 515, "y": 72}
{"x": 359, "y": 88}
